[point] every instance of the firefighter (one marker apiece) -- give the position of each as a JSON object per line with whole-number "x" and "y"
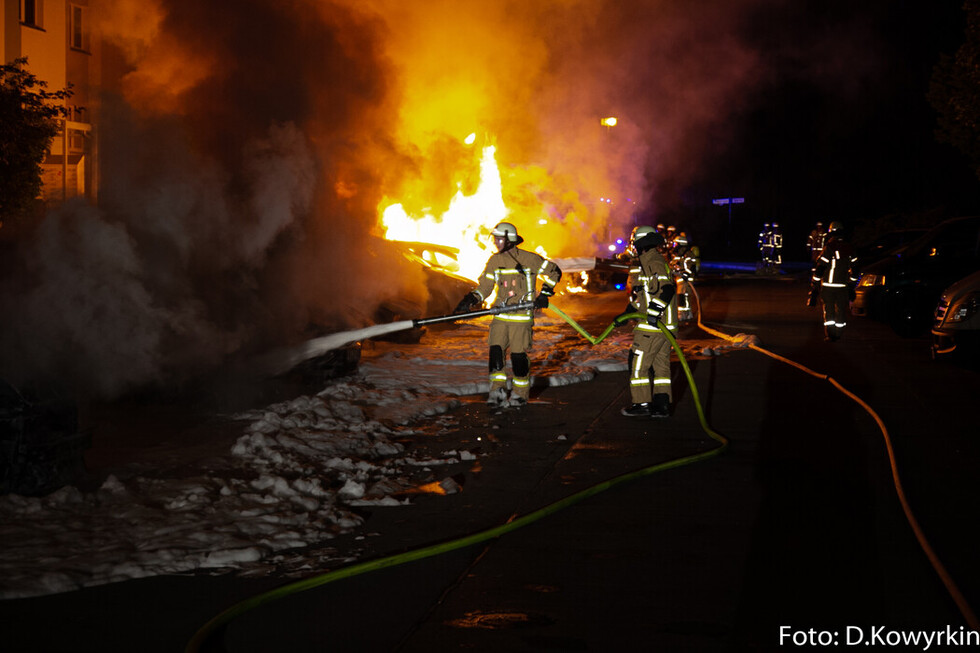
{"x": 815, "y": 241}
{"x": 683, "y": 264}
{"x": 835, "y": 276}
{"x": 652, "y": 293}
{"x": 776, "y": 242}
{"x": 514, "y": 273}
{"x": 763, "y": 243}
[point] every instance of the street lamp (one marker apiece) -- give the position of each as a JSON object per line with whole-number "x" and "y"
{"x": 608, "y": 122}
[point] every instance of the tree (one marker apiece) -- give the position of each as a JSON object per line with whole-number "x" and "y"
{"x": 29, "y": 115}
{"x": 954, "y": 91}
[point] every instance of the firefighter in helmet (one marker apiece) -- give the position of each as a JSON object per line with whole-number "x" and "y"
{"x": 514, "y": 273}
{"x": 776, "y": 240}
{"x": 835, "y": 276}
{"x": 652, "y": 293}
{"x": 815, "y": 241}
{"x": 762, "y": 242}
{"x": 683, "y": 264}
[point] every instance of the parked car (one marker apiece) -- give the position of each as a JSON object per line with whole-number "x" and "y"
{"x": 887, "y": 244}
{"x": 903, "y": 289}
{"x": 956, "y": 329}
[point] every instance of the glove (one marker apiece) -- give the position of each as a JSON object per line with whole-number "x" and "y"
{"x": 851, "y": 293}
{"x": 541, "y": 301}
{"x": 811, "y": 298}
{"x": 467, "y": 303}
{"x": 653, "y": 315}
{"x": 621, "y": 319}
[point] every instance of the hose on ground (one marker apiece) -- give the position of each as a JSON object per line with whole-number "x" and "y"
{"x": 965, "y": 610}
{"x": 204, "y": 636}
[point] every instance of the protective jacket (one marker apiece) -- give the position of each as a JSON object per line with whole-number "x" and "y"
{"x": 653, "y": 290}
{"x": 836, "y": 272}
{"x": 684, "y": 263}
{"x": 815, "y": 243}
{"x": 653, "y": 294}
{"x": 836, "y": 266}
{"x": 514, "y": 273}
{"x": 776, "y": 241}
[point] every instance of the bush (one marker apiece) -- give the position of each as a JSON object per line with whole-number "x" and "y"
{"x": 29, "y": 118}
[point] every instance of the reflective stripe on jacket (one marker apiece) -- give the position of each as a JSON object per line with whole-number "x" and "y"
{"x": 514, "y": 274}
{"x": 836, "y": 266}
{"x": 648, "y": 280}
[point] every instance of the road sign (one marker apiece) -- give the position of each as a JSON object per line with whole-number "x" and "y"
{"x": 728, "y": 200}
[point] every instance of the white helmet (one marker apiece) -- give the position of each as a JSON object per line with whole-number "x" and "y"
{"x": 506, "y": 230}
{"x": 505, "y": 235}
{"x": 643, "y": 238}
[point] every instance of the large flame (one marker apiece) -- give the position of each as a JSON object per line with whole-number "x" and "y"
{"x": 465, "y": 225}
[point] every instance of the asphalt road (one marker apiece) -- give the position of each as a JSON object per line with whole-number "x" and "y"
{"x": 794, "y": 530}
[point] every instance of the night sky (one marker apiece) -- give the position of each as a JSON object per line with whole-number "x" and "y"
{"x": 857, "y": 147}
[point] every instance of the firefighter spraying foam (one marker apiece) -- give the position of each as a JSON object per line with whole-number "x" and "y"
{"x": 513, "y": 272}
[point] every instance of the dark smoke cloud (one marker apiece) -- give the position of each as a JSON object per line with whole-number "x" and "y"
{"x": 235, "y": 203}
{"x": 246, "y": 149}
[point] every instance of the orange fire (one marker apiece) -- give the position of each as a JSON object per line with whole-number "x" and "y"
{"x": 465, "y": 225}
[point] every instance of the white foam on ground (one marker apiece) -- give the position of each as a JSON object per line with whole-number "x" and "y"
{"x": 287, "y": 485}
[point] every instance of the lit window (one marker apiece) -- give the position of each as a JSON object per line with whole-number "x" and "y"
{"x": 78, "y": 29}
{"x": 30, "y": 12}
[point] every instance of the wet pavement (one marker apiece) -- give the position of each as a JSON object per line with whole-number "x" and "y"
{"x": 795, "y": 525}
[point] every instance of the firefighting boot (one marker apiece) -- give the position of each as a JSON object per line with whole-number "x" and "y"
{"x": 497, "y": 396}
{"x": 637, "y": 410}
{"x": 660, "y": 406}
{"x": 521, "y": 391}
{"x": 498, "y": 380}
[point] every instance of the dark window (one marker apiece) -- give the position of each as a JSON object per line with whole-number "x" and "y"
{"x": 30, "y": 12}
{"x": 78, "y": 34}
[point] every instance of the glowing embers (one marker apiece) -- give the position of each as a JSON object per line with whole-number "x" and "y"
{"x": 578, "y": 283}
{"x": 500, "y": 620}
{"x": 448, "y": 485}
{"x": 465, "y": 225}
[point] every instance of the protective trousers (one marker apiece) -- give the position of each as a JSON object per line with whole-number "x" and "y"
{"x": 650, "y": 353}
{"x": 515, "y": 336}
{"x": 835, "y": 310}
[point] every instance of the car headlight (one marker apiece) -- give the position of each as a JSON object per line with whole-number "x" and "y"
{"x": 868, "y": 280}
{"x": 964, "y": 308}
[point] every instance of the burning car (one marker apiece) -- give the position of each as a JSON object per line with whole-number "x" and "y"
{"x": 440, "y": 265}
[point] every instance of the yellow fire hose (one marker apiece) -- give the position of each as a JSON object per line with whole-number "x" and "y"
{"x": 965, "y": 610}
{"x": 212, "y": 627}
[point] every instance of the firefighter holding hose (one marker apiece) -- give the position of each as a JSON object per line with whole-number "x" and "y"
{"x": 514, "y": 273}
{"x": 652, "y": 293}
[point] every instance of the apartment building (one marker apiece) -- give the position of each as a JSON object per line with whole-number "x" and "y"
{"x": 56, "y": 38}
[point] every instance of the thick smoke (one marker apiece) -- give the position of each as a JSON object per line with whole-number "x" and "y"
{"x": 245, "y": 151}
